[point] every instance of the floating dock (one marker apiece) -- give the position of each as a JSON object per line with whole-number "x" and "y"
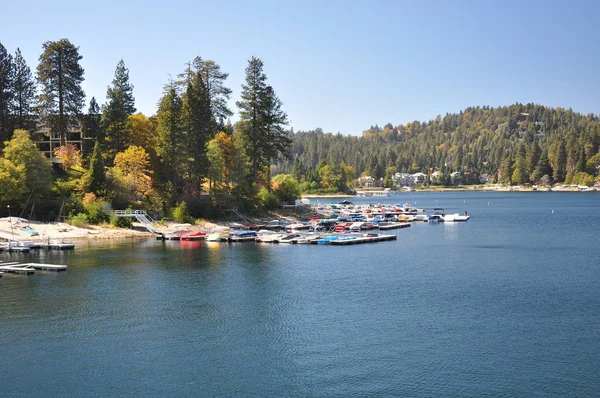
{"x": 29, "y": 268}
{"x": 366, "y": 239}
{"x": 396, "y": 225}
{"x": 59, "y": 246}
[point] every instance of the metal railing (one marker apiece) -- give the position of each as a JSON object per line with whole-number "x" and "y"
{"x": 140, "y": 215}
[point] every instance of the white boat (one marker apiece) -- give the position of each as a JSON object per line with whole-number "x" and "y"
{"x": 356, "y": 226}
{"x": 290, "y": 238}
{"x": 456, "y": 217}
{"x": 271, "y": 238}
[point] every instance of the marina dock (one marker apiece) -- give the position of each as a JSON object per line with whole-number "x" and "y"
{"x": 29, "y": 268}
{"x": 366, "y": 239}
{"x": 396, "y": 225}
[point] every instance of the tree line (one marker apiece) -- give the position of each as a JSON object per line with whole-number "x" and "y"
{"x": 188, "y": 152}
{"x": 516, "y": 144}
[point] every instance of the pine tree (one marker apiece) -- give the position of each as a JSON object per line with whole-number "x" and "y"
{"x": 6, "y": 93}
{"x": 92, "y": 128}
{"x": 24, "y": 94}
{"x": 261, "y": 118}
{"x": 96, "y": 176}
{"x": 205, "y": 108}
{"x": 559, "y": 164}
{"x": 199, "y": 125}
{"x": 506, "y": 170}
{"x": 533, "y": 156}
{"x": 171, "y": 142}
{"x": 520, "y": 174}
{"x": 119, "y": 107}
{"x": 60, "y": 76}
{"x": 543, "y": 167}
{"x": 214, "y": 79}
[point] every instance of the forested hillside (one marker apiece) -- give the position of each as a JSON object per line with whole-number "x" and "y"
{"x": 521, "y": 142}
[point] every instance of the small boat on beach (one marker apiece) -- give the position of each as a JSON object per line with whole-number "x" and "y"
{"x": 195, "y": 235}
{"x": 243, "y": 236}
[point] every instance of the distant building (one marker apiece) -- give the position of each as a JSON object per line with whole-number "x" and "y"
{"x": 403, "y": 179}
{"x": 47, "y": 140}
{"x": 368, "y": 182}
{"x": 484, "y": 178}
{"x": 419, "y": 178}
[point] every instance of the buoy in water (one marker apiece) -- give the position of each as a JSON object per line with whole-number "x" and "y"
{"x": 552, "y": 211}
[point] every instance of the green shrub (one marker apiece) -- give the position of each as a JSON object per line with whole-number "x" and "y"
{"x": 121, "y": 222}
{"x": 267, "y": 199}
{"x": 286, "y": 187}
{"x": 79, "y": 220}
{"x": 181, "y": 214}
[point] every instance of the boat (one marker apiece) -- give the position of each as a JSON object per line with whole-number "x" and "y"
{"x": 218, "y": 236}
{"x": 436, "y": 216}
{"x": 341, "y": 227}
{"x": 297, "y": 227}
{"x": 243, "y": 236}
{"x": 309, "y": 239}
{"x": 174, "y": 235}
{"x": 357, "y": 226}
{"x": 327, "y": 239}
{"x": 456, "y": 217}
{"x": 289, "y": 238}
{"x": 195, "y": 235}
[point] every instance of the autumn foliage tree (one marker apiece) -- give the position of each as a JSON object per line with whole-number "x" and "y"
{"x": 132, "y": 168}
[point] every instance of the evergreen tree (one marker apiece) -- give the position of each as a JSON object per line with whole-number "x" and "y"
{"x": 533, "y": 156}
{"x": 92, "y": 129}
{"x": 60, "y": 76}
{"x": 96, "y": 176}
{"x": 543, "y": 167}
{"x": 506, "y": 170}
{"x": 520, "y": 174}
{"x": 24, "y": 98}
{"x": 120, "y": 105}
{"x": 171, "y": 142}
{"x": 199, "y": 125}
{"x": 205, "y": 109}
{"x": 6, "y": 93}
{"x": 559, "y": 164}
{"x": 212, "y": 76}
{"x": 261, "y": 119}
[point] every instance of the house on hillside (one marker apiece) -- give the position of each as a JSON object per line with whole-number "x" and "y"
{"x": 403, "y": 179}
{"x": 368, "y": 182}
{"x": 419, "y": 178}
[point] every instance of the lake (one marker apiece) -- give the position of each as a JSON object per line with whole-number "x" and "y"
{"x": 505, "y": 304}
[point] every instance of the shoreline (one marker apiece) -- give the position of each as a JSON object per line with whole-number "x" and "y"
{"x": 471, "y": 188}
{"x": 63, "y": 231}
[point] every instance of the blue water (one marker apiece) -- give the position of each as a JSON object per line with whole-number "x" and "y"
{"x": 506, "y": 304}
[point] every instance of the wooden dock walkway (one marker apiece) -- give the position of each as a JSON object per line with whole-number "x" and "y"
{"x": 366, "y": 239}
{"x": 29, "y": 268}
{"x": 397, "y": 225}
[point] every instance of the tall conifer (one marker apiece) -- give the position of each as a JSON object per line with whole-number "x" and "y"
{"x": 261, "y": 118}
{"x": 120, "y": 105}
{"x": 60, "y": 76}
{"x": 24, "y": 98}
{"x": 6, "y": 93}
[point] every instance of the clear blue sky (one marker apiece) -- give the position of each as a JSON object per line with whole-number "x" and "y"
{"x": 338, "y": 65}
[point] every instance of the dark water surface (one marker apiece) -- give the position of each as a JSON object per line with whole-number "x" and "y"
{"x": 506, "y": 304}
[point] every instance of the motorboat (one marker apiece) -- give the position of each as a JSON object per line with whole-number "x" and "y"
{"x": 194, "y": 235}
{"x": 243, "y": 236}
{"x": 456, "y": 217}
{"x": 289, "y": 238}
